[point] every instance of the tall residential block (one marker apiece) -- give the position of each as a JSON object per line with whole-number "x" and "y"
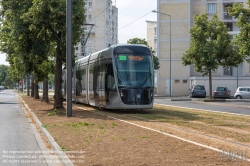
{"x": 173, "y": 76}
{"x": 104, "y": 17}
{"x": 152, "y": 34}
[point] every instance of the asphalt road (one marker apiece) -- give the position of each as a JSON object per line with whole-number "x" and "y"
{"x": 18, "y": 145}
{"x": 230, "y": 107}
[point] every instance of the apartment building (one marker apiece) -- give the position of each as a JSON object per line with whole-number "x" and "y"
{"x": 175, "y": 79}
{"x": 152, "y": 34}
{"x": 104, "y": 17}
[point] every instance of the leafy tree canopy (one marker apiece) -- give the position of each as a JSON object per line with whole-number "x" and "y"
{"x": 211, "y": 46}
{"x": 5, "y": 79}
{"x": 242, "y": 40}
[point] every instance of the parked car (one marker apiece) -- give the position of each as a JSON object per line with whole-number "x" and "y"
{"x": 222, "y": 92}
{"x": 1, "y": 87}
{"x": 197, "y": 91}
{"x": 242, "y": 92}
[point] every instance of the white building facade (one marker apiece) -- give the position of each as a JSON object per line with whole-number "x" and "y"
{"x": 175, "y": 79}
{"x": 104, "y": 17}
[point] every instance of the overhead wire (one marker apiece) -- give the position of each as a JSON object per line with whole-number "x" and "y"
{"x": 102, "y": 11}
{"x": 144, "y": 15}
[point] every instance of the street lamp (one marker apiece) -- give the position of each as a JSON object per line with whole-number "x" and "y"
{"x": 169, "y": 50}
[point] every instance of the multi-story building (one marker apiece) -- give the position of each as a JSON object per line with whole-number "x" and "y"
{"x": 104, "y": 17}
{"x": 152, "y": 34}
{"x": 178, "y": 78}
{"x": 152, "y": 40}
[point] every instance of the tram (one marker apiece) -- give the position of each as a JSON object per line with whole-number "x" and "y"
{"x": 118, "y": 77}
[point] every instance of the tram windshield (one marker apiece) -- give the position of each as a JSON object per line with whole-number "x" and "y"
{"x": 134, "y": 70}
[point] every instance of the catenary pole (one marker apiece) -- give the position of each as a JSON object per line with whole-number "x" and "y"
{"x": 69, "y": 58}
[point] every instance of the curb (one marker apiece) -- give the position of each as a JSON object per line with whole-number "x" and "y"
{"x": 199, "y": 99}
{"x": 58, "y": 151}
{"x": 180, "y": 99}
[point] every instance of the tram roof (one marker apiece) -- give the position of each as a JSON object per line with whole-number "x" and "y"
{"x": 112, "y": 47}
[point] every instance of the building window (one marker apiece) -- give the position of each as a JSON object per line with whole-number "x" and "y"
{"x": 184, "y": 81}
{"x": 155, "y": 31}
{"x": 176, "y": 81}
{"x": 228, "y": 71}
{"x": 76, "y": 48}
{"x": 229, "y": 26}
{"x": 211, "y": 8}
{"x": 90, "y": 4}
{"x": 90, "y": 16}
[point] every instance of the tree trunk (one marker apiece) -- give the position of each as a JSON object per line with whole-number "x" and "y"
{"x": 45, "y": 91}
{"x": 28, "y": 85}
{"x": 32, "y": 85}
{"x": 58, "y": 98}
{"x": 36, "y": 92}
{"x": 210, "y": 84}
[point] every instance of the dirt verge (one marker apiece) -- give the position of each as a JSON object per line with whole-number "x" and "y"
{"x": 106, "y": 141}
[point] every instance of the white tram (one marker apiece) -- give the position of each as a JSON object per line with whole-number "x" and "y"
{"x": 118, "y": 77}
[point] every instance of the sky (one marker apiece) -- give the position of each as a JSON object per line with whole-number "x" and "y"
{"x": 128, "y": 12}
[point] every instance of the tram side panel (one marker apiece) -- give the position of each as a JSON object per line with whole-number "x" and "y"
{"x": 110, "y": 85}
{"x": 81, "y": 81}
{"x": 101, "y": 83}
{"x": 63, "y": 85}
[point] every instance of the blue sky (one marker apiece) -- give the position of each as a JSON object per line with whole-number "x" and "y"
{"x": 128, "y": 12}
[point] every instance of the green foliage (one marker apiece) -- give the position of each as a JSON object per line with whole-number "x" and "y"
{"x": 54, "y": 112}
{"x": 3, "y": 73}
{"x": 84, "y": 123}
{"x": 5, "y": 77}
{"x": 211, "y": 46}
{"x": 13, "y": 35}
{"x": 114, "y": 124}
{"x": 33, "y": 33}
{"x": 51, "y": 78}
{"x": 242, "y": 40}
{"x": 144, "y": 42}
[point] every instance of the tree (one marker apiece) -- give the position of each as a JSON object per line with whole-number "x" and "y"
{"x": 242, "y": 40}
{"x": 3, "y": 73}
{"x": 11, "y": 30}
{"x": 26, "y": 49}
{"x": 211, "y": 46}
{"x": 144, "y": 42}
{"x": 48, "y": 17}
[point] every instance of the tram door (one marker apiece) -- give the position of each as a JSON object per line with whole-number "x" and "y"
{"x": 110, "y": 86}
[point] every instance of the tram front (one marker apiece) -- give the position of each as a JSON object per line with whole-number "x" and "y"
{"x": 134, "y": 75}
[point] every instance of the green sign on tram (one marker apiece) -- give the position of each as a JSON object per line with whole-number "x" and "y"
{"x": 122, "y": 58}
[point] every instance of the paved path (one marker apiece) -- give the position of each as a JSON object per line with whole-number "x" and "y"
{"x": 18, "y": 144}
{"x": 229, "y": 107}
